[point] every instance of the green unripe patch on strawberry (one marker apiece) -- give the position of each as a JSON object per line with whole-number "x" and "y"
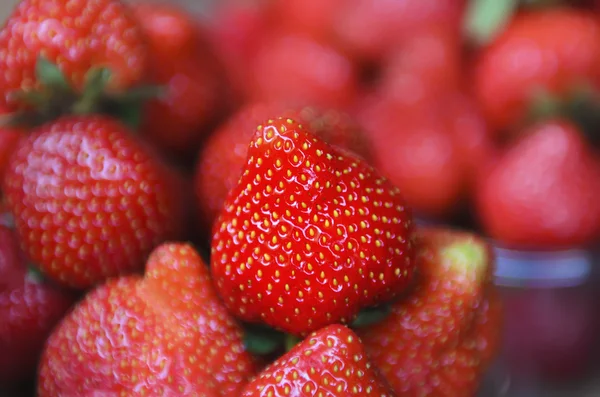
{"x": 466, "y": 258}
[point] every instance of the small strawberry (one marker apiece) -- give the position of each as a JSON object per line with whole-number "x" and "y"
{"x": 551, "y": 51}
{"x": 329, "y": 362}
{"x": 164, "y": 334}
{"x": 542, "y": 191}
{"x": 78, "y": 36}
{"x": 181, "y": 62}
{"x": 89, "y": 200}
{"x": 296, "y": 68}
{"x": 29, "y": 308}
{"x": 223, "y": 156}
{"x": 440, "y": 339}
{"x": 310, "y": 230}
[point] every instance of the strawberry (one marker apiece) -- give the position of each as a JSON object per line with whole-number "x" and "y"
{"x": 308, "y": 214}
{"x": 296, "y": 68}
{"x": 89, "y": 200}
{"x": 162, "y": 334}
{"x": 551, "y": 51}
{"x": 329, "y": 362}
{"x": 370, "y": 29}
{"x": 78, "y": 36}
{"x": 223, "y": 156}
{"x": 440, "y": 339}
{"x": 29, "y": 308}
{"x": 236, "y": 30}
{"x": 180, "y": 61}
{"x": 541, "y": 192}
{"x": 430, "y": 149}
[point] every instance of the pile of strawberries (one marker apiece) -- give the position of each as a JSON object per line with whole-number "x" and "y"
{"x": 227, "y": 206}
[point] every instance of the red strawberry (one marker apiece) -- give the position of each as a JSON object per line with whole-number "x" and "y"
{"x": 310, "y": 230}
{"x": 29, "y": 309}
{"x": 330, "y": 362}
{"x": 370, "y": 28}
{"x": 553, "y": 51}
{"x": 76, "y": 35}
{"x": 440, "y": 339}
{"x": 430, "y": 149}
{"x": 180, "y": 61}
{"x": 422, "y": 67}
{"x": 164, "y": 334}
{"x": 236, "y": 30}
{"x": 224, "y": 155}
{"x": 542, "y": 191}
{"x": 90, "y": 201}
{"x": 296, "y": 68}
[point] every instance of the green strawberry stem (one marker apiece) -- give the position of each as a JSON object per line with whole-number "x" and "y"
{"x": 486, "y": 18}
{"x": 89, "y": 100}
{"x": 581, "y": 106}
{"x": 370, "y": 316}
{"x": 263, "y": 340}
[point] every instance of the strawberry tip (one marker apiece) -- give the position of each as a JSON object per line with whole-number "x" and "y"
{"x": 466, "y": 258}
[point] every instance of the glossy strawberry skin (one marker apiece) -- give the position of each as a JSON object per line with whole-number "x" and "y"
{"x": 165, "y": 333}
{"x": 331, "y": 361}
{"x": 542, "y": 191}
{"x": 440, "y": 339}
{"x": 296, "y": 68}
{"x": 555, "y": 50}
{"x": 78, "y": 36}
{"x": 223, "y": 156}
{"x": 310, "y": 235}
{"x": 181, "y": 62}
{"x": 89, "y": 200}
{"x": 29, "y": 308}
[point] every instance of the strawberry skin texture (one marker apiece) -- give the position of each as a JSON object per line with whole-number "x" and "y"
{"x": 89, "y": 201}
{"x": 554, "y": 50}
{"x": 182, "y": 63}
{"x": 163, "y": 334}
{"x": 224, "y": 154}
{"x": 542, "y": 191}
{"x": 329, "y": 362}
{"x": 310, "y": 235}
{"x": 440, "y": 339}
{"x": 76, "y": 35}
{"x": 29, "y": 309}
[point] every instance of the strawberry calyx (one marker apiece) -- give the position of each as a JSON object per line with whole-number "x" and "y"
{"x": 263, "y": 340}
{"x": 57, "y": 97}
{"x": 371, "y": 315}
{"x": 581, "y": 106}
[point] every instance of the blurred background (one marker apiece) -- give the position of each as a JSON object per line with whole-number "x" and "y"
{"x": 484, "y": 112}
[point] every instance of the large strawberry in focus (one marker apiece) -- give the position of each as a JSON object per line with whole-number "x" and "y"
{"x": 164, "y": 334}
{"x": 541, "y": 192}
{"x": 89, "y": 200}
{"x": 223, "y": 156}
{"x": 78, "y": 36}
{"x": 440, "y": 339}
{"x": 296, "y": 68}
{"x": 30, "y": 307}
{"x": 310, "y": 235}
{"x": 183, "y": 64}
{"x": 555, "y": 52}
{"x": 329, "y": 362}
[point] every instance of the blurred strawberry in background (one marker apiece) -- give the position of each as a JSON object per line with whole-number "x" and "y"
{"x": 181, "y": 62}
{"x": 550, "y": 52}
{"x": 542, "y": 192}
